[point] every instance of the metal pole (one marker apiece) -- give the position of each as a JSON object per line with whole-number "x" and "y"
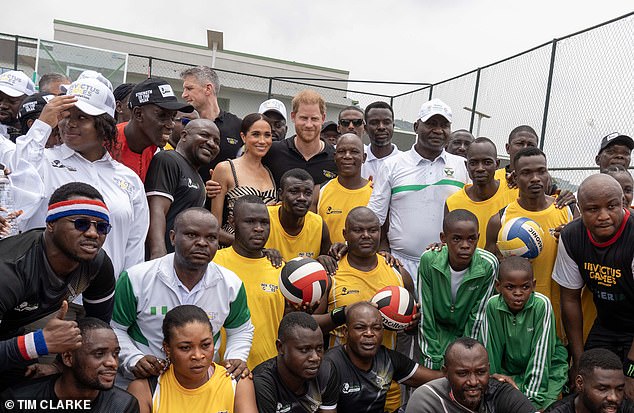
{"x": 431, "y": 90}
{"x": 392, "y": 101}
{"x": 270, "y": 88}
{"x": 551, "y": 70}
{"x": 149, "y": 67}
{"x": 475, "y": 100}
{"x": 15, "y": 55}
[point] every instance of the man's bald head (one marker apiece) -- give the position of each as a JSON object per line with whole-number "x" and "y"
{"x": 201, "y": 123}
{"x": 361, "y": 309}
{"x": 598, "y": 186}
{"x": 455, "y": 350}
{"x": 361, "y": 214}
{"x": 352, "y": 138}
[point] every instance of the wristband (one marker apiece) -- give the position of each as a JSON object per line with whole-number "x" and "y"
{"x": 628, "y": 368}
{"x": 338, "y": 316}
{"x": 32, "y": 345}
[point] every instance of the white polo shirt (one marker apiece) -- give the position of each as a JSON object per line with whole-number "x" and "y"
{"x": 121, "y": 188}
{"x": 372, "y": 164}
{"x": 414, "y": 189}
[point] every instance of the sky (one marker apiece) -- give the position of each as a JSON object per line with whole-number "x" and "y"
{"x": 399, "y": 40}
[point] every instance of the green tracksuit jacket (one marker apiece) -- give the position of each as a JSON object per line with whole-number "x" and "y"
{"x": 442, "y": 319}
{"x": 525, "y": 346}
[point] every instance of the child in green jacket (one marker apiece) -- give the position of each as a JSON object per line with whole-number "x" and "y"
{"x": 519, "y": 335}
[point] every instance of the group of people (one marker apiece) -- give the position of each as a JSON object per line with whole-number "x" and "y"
{"x": 149, "y": 233}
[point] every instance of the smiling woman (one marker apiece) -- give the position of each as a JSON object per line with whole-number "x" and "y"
{"x": 245, "y": 175}
{"x": 87, "y": 129}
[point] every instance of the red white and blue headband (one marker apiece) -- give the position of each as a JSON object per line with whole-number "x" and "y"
{"x": 90, "y": 207}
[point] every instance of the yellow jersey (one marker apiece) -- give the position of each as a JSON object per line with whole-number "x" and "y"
{"x": 500, "y": 175}
{"x": 548, "y": 219}
{"x": 305, "y": 244}
{"x": 264, "y": 299}
{"x": 483, "y": 210}
{"x": 350, "y": 286}
{"x": 215, "y": 396}
{"x": 336, "y": 201}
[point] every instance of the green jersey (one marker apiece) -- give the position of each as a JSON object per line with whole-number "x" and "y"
{"x": 444, "y": 318}
{"x": 525, "y": 346}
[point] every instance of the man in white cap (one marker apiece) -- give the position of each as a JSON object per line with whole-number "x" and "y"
{"x": 14, "y": 87}
{"x": 276, "y": 111}
{"x": 412, "y": 187}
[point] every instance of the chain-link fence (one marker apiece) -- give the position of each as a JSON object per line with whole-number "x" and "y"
{"x": 572, "y": 91}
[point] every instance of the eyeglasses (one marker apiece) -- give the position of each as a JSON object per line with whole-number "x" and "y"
{"x": 83, "y": 225}
{"x": 346, "y": 122}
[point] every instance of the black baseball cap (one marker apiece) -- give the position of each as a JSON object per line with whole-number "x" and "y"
{"x": 157, "y": 91}
{"x": 329, "y": 125}
{"x": 34, "y": 104}
{"x": 616, "y": 138}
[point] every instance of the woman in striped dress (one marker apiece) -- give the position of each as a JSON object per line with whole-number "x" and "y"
{"x": 245, "y": 175}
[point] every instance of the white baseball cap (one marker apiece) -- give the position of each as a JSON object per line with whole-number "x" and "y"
{"x": 434, "y": 107}
{"x": 273, "y": 105}
{"x": 15, "y": 83}
{"x": 91, "y": 74}
{"x": 93, "y": 97}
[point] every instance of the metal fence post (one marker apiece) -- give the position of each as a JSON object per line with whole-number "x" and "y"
{"x": 549, "y": 85}
{"x": 16, "y": 54}
{"x": 431, "y": 91}
{"x": 475, "y": 101}
{"x": 270, "y": 88}
{"x": 149, "y": 67}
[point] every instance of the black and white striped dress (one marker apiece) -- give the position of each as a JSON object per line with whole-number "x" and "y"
{"x": 269, "y": 196}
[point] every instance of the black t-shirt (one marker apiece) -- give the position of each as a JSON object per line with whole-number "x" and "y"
{"x": 607, "y": 272}
{"x": 567, "y": 405}
{"x": 41, "y": 392}
{"x": 272, "y": 395}
{"x": 284, "y": 156}
{"x": 31, "y": 290}
{"x": 172, "y": 176}
{"x": 230, "y": 141}
{"x": 366, "y": 391}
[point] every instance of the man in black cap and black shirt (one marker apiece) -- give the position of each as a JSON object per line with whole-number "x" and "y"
{"x": 615, "y": 149}
{"x": 329, "y": 133}
{"x": 154, "y": 106}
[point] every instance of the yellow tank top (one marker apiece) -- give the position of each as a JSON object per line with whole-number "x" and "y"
{"x": 500, "y": 175}
{"x": 265, "y": 301}
{"x": 548, "y": 220}
{"x": 483, "y": 210}
{"x": 336, "y": 201}
{"x": 215, "y": 396}
{"x": 305, "y": 244}
{"x": 350, "y": 286}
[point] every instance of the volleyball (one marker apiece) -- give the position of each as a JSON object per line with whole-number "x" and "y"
{"x": 397, "y": 307}
{"x": 303, "y": 281}
{"x": 521, "y": 237}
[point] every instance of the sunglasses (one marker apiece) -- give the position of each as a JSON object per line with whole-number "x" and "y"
{"x": 346, "y": 122}
{"x": 83, "y": 225}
